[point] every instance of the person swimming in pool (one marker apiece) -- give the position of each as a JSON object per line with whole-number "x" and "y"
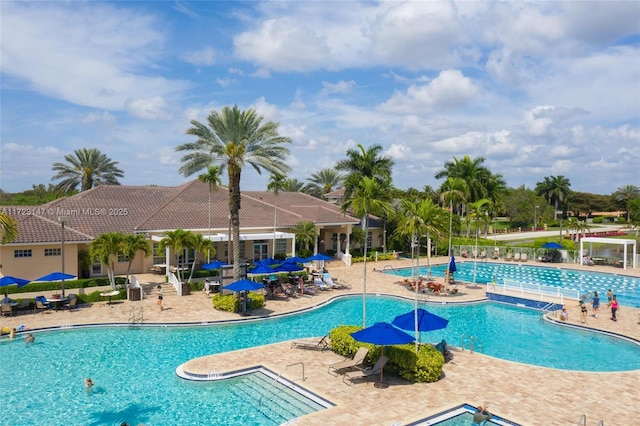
{"x": 482, "y": 414}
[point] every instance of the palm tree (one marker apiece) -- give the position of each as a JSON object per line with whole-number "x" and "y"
{"x": 360, "y": 163}
{"x": 233, "y": 138}
{"x": 452, "y": 192}
{"x": 131, "y": 245}
{"x": 87, "y": 167}
{"x": 212, "y": 178}
{"x": 555, "y": 189}
{"x": 625, "y": 194}
{"x": 323, "y": 182}
{"x": 292, "y": 185}
{"x": 105, "y": 248}
{"x": 199, "y": 244}
{"x": 178, "y": 239}
{"x": 370, "y": 196}
{"x": 276, "y": 182}
{"x": 8, "y": 228}
{"x": 477, "y": 176}
{"x": 305, "y": 232}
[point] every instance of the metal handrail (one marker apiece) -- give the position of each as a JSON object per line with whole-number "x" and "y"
{"x": 385, "y": 267}
{"x": 600, "y": 423}
{"x": 473, "y": 339}
{"x": 582, "y": 421}
{"x": 276, "y": 379}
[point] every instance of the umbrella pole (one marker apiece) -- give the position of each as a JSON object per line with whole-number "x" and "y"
{"x": 381, "y": 384}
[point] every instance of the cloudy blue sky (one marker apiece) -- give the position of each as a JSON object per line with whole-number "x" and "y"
{"x": 538, "y": 89}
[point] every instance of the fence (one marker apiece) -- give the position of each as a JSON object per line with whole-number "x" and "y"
{"x": 543, "y": 292}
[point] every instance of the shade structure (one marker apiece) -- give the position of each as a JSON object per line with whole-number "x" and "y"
{"x": 318, "y": 256}
{"x": 288, "y": 267}
{"x": 552, "y": 245}
{"x": 382, "y": 333}
{"x": 55, "y": 276}
{"x": 243, "y": 285}
{"x": 295, "y": 260}
{"x": 262, "y": 269}
{"x": 426, "y": 321}
{"x": 216, "y": 264}
{"x": 9, "y": 280}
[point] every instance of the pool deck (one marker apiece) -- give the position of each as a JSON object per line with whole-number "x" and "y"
{"x": 518, "y": 392}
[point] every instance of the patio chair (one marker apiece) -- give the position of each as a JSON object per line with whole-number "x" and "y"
{"x": 366, "y": 373}
{"x": 483, "y": 254}
{"x": 24, "y": 305}
{"x": 516, "y": 257}
{"x": 42, "y": 305}
{"x": 509, "y": 256}
{"x": 6, "y": 309}
{"x": 523, "y": 257}
{"x": 349, "y": 363}
{"x": 73, "y": 303}
{"x": 314, "y": 344}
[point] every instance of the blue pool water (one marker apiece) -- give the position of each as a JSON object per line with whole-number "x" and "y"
{"x": 460, "y": 416}
{"x": 625, "y": 287}
{"x": 134, "y": 369}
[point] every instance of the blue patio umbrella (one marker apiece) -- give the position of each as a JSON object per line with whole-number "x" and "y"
{"x": 55, "y": 276}
{"x": 382, "y": 333}
{"x": 552, "y": 245}
{"x": 267, "y": 261}
{"x": 9, "y": 280}
{"x": 319, "y": 256}
{"x": 420, "y": 318}
{"x": 261, "y": 269}
{"x": 295, "y": 259}
{"x": 288, "y": 267}
{"x": 243, "y": 285}
{"x": 216, "y": 264}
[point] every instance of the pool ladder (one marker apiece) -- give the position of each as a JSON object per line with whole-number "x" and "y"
{"x": 474, "y": 342}
{"x": 582, "y": 421}
{"x": 547, "y": 309}
{"x": 389, "y": 267}
{"x": 279, "y": 375}
{"x": 136, "y": 319}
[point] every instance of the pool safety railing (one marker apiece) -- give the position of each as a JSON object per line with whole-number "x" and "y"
{"x": 278, "y": 378}
{"x": 548, "y": 308}
{"x": 543, "y": 292}
{"x": 582, "y": 421}
{"x": 175, "y": 282}
{"x": 600, "y": 423}
{"x": 136, "y": 319}
{"x": 389, "y": 268}
{"x": 474, "y": 343}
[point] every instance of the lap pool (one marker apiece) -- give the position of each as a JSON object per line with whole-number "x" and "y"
{"x": 134, "y": 368}
{"x": 627, "y": 288}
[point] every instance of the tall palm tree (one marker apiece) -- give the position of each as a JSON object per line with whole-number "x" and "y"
{"x": 8, "y": 228}
{"x": 106, "y": 248}
{"x": 234, "y": 138}
{"x": 199, "y": 244}
{"x": 305, "y": 232}
{"x": 131, "y": 245}
{"x": 474, "y": 173}
{"x": 370, "y": 196}
{"x": 452, "y": 191}
{"x": 323, "y": 182}
{"x": 625, "y": 194}
{"x": 555, "y": 189}
{"x": 360, "y": 163}
{"x": 86, "y": 167}
{"x": 212, "y": 178}
{"x": 276, "y": 182}
{"x": 292, "y": 185}
{"x": 178, "y": 239}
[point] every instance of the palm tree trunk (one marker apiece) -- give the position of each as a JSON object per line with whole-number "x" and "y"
{"x": 234, "y": 209}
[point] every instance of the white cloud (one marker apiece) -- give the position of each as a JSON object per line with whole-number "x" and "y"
{"x": 205, "y": 56}
{"x": 154, "y": 108}
{"x": 339, "y": 87}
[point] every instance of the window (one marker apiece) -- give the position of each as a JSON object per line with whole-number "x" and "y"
{"x": 122, "y": 258}
{"x": 22, "y": 253}
{"x": 241, "y": 249}
{"x": 334, "y": 241}
{"x": 52, "y": 252}
{"x": 369, "y": 239}
{"x": 281, "y": 246}
{"x": 158, "y": 255}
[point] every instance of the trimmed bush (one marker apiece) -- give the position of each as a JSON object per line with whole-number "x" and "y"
{"x": 598, "y": 219}
{"x": 425, "y": 366}
{"x": 231, "y": 303}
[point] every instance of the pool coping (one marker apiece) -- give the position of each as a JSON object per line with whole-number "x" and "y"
{"x": 435, "y": 419}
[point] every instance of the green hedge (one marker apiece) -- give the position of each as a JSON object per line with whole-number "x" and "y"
{"x": 68, "y": 285}
{"x": 371, "y": 257}
{"x": 231, "y": 303}
{"x": 425, "y": 366}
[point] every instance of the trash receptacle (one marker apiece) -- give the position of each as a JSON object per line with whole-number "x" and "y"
{"x": 186, "y": 289}
{"x": 135, "y": 293}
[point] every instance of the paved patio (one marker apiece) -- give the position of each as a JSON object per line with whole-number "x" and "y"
{"x": 525, "y": 394}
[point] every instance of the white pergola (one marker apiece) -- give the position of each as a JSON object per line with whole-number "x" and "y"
{"x": 616, "y": 241}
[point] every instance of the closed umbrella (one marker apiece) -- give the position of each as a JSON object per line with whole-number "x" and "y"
{"x": 382, "y": 333}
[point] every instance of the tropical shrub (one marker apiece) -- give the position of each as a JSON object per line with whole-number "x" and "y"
{"x": 231, "y": 303}
{"x": 598, "y": 219}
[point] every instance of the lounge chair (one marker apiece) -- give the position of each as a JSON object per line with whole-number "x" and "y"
{"x": 483, "y": 254}
{"x": 349, "y": 363}
{"x": 474, "y": 254}
{"x": 6, "y": 309}
{"x": 509, "y": 256}
{"x": 523, "y": 257}
{"x": 317, "y": 281}
{"x": 319, "y": 344}
{"x": 496, "y": 253}
{"x": 366, "y": 373}
{"x": 516, "y": 257}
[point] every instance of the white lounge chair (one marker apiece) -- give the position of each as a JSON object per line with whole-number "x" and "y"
{"x": 319, "y": 344}
{"x": 523, "y": 257}
{"x": 349, "y": 363}
{"x": 366, "y": 373}
{"x": 516, "y": 257}
{"x": 509, "y": 256}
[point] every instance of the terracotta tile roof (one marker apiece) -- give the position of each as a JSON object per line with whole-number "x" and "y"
{"x": 128, "y": 209}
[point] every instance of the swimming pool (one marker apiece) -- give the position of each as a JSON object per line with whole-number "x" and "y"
{"x": 134, "y": 368}
{"x": 459, "y": 416}
{"x": 627, "y": 288}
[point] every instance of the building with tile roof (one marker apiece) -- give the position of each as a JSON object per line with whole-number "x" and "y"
{"x": 154, "y": 210}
